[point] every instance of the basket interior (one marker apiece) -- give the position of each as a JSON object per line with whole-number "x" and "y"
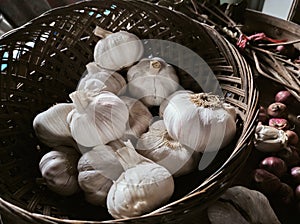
{"x": 42, "y": 62}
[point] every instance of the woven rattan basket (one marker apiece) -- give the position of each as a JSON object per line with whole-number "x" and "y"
{"x": 41, "y": 64}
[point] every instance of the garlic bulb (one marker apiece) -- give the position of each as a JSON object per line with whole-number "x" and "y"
{"x": 152, "y": 81}
{"x": 59, "y": 169}
{"x": 142, "y": 187}
{"x": 165, "y": 102}
{"x": 200, "y": 121}
{"x": 51, "y": 125}
{"x": 157, "y": 145}
{"x": 98, "y": 169}
{"x": 101, "y": 79}
{"x": 139, "y": 117}
{"x": 98, "y": 118}
{"x": 117, "y": 50}
{"x": 269, "y": 139}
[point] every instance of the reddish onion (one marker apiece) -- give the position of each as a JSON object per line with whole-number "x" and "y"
{"x": 286, "y": 193}
{"x": 262, "y": 115}
{"x": 295, "y": 172}
{"x": 279, "y": 123}
{"x": 285, "y": 97}
{"x": 277, "y": 109}
{"x": 286, "y": 50}
{"x": 266, "y": 182}
{"x": 297, "y": 192}
{"x": 290, "y": 156}
{"x": 292, "y": 137}
{"x": 274, "y": 165}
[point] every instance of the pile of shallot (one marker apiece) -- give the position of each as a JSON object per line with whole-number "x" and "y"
{"x": 276, "y": 138}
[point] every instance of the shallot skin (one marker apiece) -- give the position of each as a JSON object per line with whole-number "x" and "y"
{"x": 285, "y": 97}
{"x": 277, "y": 109}
{"x": 295, "y": 172}
{"x": 279, "y": 123}
{"x": 274, "y": 165}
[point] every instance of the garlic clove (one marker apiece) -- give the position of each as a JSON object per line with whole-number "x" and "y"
{"x": 157, "y": 145}
{"x": 139, "y": 117}
{"x": 51, "y": 125}
{"x": 269, "y": 139}
{"x": 199, "y": 121}
{"x": 98, "y": 118}
{"x": 143, "y": 186}
{"x": 166, "y": 101}
{"x": 117, "y": 50}
{"x": 101, "y": 79}
{"x": 152, "y": 80}
{"x": 58, "y": 168}
{"x": 98, "y": 168}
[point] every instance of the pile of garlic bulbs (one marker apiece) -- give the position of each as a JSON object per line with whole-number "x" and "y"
{"x": 107, "y": 144}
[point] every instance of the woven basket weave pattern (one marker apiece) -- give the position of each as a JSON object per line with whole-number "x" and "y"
{"x": 41, "y": 64}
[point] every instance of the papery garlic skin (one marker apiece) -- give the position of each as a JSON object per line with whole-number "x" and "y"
{"x": 101, "y": 79}
{"x": 269, "y": 139}
{"x": 200, "y": 121}
{"x": 157, "y": 145}
{"x": 142, "y": 187}
{"x": 165, "y": 102}
{"x": 139, "y": 117}
{"x": 152, "y": 80}
{"x": 59, "y": 169}
{"x": 98, "y": 118}
{"x": 51, "y": 125}
{"x": 98, "y": 169}
{"x": 117, "y": 50}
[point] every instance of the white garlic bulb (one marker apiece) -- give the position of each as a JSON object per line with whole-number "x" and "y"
{"x": 51, "y": 125}
{"x": 269, "y": 139}
{"x": 157, "y": 145}
{"x": 152, "y": 80}
{"x": 102, "y": 79}
{"x": 59, "y": 169}
{"x": 98, "y": 168}
{"x": 117, "y": 50}
{"x": 98, "y": 118}
{"x": 139, "y": 117}
{"x": 200, "y": 121}
{"x": 165, "y": 102}
{"x": 142, "y": 187}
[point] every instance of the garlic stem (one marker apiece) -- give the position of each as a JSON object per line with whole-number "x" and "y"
{"x": 128, "y": 157}
{"x": 169, "y": 142}
{"x": 206, "y": 100}
{"x": 100, "y": 32}
{"x": 155, "y": 66}
{"x": 80, "y": 100}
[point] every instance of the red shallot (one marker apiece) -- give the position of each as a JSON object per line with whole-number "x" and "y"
{"x": 279, "y": 123}
{"x": 295, "y": 172}
{"x": 285, "y": 97}
{"x": 274, "y": 165}
{"x": 277, "y": 109}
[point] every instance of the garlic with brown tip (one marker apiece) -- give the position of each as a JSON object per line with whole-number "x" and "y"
{"x": 139, "y": 117}
{"x": 157, "y": 145}
{"x": 117, "y": 50}
{"x": 269, "y": 139}
{"x": 102, "y": 79}
{"x": 142, "y": 187}
{"x": 98, "y": 168}
{"x": 98, "y": 118}
{"x": 51, "y": 125}
{"x": 59, "y": 169}
{"x": 152, "y": 80}
{"x": 200, "y": 121}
